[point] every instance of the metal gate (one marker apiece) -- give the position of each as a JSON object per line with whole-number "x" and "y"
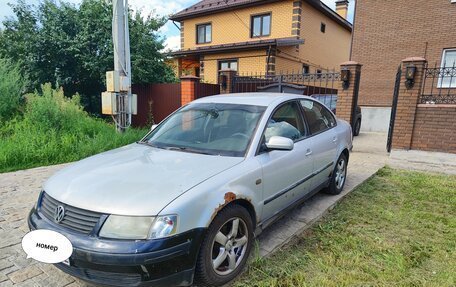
{"x": 394, "y": 109}
{"x": 301, "y": 84}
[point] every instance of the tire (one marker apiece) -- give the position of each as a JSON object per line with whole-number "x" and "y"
{"x": 357, "y": 128}
{"x": 339, "y": 176}
{"x": 211, "y": 271}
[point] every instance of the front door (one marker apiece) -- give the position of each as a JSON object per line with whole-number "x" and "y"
{"x": 285, "y": 172}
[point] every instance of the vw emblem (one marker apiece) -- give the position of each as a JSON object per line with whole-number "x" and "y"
{"x": 59, "y": 213}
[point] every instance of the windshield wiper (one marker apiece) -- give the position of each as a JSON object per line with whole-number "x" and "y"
{"x": 186, "y": 149}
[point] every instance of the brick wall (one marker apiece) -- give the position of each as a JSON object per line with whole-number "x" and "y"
{"x": 387, "y": 31}
{"x": 435, "y": 128}
{"x": 322, "y": 51}
{"x": 227, "y": 28}
{"x": 248, "y": 62}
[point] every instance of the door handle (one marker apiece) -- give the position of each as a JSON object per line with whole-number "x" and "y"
{"x": 309, "y": 152}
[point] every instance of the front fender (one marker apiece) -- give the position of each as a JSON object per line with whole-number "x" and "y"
{"x": 199, "y": 206}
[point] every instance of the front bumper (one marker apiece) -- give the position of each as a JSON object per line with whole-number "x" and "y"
{"x": 159, "y": 262}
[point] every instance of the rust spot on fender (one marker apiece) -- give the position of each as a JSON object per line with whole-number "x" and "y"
{"x": 229, "y": 197}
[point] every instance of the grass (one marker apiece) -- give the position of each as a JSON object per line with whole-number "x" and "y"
{"x": 55, "y": 129}
{"x": 397, "y": 229}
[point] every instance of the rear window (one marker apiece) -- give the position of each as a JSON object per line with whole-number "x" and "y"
{"x": 330, "y": 101}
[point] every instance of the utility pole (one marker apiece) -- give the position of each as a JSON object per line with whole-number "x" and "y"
{"x": 118, "y": 100}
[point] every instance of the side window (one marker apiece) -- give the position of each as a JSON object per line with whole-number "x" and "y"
{"x": 318, "y": 117}
{"x": 286, "y": 122}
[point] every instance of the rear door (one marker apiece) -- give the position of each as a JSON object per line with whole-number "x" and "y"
{"x": 321, "y": 123}
{"x": 285, "y": 173}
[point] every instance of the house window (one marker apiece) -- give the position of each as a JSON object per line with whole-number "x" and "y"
{"x": 203, "y": 33}
{"x": 228, "y": 64}
{"x": 305, "y": 69}
{"x": 448, "y": 61}
{"x": 323, "y": 27}
{"x": 260, "y": 25}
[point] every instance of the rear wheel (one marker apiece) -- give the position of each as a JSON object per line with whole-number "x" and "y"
{"x": 225, "y": 248}
{"x": 339, "y": 176}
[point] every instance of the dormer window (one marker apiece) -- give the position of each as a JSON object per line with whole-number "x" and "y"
{"x": 204, "y": 33}
{"x": 260, "y": 25}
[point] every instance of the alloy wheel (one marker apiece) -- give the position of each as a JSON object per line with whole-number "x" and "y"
{"x": 340, "y": 173}
{"x": 229, "y": 246}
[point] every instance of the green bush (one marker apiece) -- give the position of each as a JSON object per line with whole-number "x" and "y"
{"x": 11, "y": 89}
{"x": 55, "y": 129}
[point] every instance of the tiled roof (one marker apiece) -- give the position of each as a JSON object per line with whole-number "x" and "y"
{"x": 279, "y": 42}
{"x": 206, "y": 7}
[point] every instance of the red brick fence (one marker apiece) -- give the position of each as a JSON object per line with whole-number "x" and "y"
{"x": 424, "y": 124}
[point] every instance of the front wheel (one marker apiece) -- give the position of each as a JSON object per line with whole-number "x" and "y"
{"x": 339, "y": 176}
{"x": 225, "y": 248}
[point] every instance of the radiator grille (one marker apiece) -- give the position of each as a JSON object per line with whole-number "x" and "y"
{"x": 76, "y": 219}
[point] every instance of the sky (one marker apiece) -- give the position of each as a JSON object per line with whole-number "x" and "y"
{"x": 159, "y": 7}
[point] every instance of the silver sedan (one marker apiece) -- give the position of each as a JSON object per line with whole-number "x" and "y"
{"x": 184, "y": 203}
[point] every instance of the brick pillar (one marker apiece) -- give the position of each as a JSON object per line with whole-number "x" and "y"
{"x": 226, "y": 81}
{"x": 406, "y": 104}
{"x": 348, "y": 92}
{"x": 188, "y": 89}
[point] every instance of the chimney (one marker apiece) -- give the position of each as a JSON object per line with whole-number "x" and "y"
{"x": 342, "y": 8}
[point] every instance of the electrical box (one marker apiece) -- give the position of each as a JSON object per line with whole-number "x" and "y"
{"x": 124, "y": 84}
{"x": 112, "y": 81}
{"x": 108, "y": 103}
{"x": 134, "y": 104}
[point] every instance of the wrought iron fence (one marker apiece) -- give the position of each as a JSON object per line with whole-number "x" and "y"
{"x": 439, "y": 85}
{"x": 303, "y": 84}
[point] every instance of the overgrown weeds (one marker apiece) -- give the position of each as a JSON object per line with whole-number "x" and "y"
{"x": 55, "y": 129}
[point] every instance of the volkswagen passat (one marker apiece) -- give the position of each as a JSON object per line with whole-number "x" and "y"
{"x": 184, "y": 203}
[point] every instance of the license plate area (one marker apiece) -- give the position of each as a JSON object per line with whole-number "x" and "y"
{"x": 67, "y": 262}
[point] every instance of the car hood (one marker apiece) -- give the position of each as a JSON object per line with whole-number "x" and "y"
{"x": 133, "y": 180}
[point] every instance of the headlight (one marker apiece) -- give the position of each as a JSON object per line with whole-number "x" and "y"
{"x": 126, "y": 227}
{"x": 138, "y": 227}
{"x": 164, "y": 226}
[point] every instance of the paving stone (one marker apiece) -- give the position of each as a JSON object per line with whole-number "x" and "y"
{"x": 24, "y": 274}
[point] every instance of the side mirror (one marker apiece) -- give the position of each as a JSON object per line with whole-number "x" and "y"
{"x": 153, "y": 127}
{"x": 280, "y": 143}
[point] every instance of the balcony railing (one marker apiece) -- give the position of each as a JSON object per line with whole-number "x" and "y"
{"x": 439, "y": 85}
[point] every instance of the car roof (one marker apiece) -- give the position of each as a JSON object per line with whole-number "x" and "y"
{"x": 256, "y": 99}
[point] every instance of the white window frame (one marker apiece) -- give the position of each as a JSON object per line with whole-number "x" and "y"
{"x": 440, "y": 84}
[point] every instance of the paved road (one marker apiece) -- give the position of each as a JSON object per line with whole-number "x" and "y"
{"x": 19, "y": 191}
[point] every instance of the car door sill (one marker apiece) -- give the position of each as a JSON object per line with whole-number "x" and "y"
{"x": 267, "y": 222}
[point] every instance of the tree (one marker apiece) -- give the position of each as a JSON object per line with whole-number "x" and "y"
{"x": 71, "y": 46}
{"x": 12, "y": 86}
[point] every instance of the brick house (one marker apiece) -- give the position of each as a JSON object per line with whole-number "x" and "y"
{"x": 263, "y": 37}
{"x": 388, "y": 31}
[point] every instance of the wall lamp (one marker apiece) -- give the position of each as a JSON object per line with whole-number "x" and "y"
{"x": 410, "y": 73}
{"x": 345, "y": 78}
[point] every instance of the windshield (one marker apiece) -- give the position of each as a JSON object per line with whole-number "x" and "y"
{"x": 209, "y": 128}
